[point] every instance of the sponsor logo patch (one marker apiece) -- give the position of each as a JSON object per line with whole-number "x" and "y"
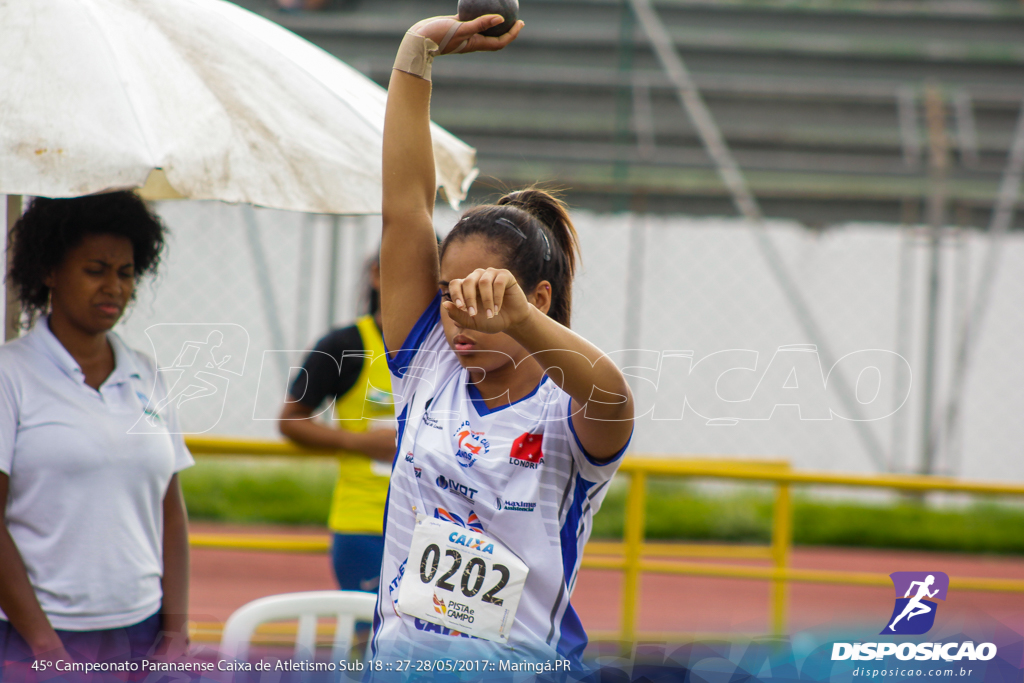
{"x": 519, "y": 506}
{"x": 472, "y": 542}
{"x": 472, "y": 522}
{"x": 395, "y": 584}
{"x": 471, "y": 445}
{"x": 526, "y": 451}
{"x": 457, "y": 610}
{"x": 428, "y": 627}
{"x": 375, "y": 395}
{"x": 147, "y": 410}
{"x": 454, "y": 487}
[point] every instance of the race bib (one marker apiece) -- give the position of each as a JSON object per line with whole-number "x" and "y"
{"x": 461, "y": 579}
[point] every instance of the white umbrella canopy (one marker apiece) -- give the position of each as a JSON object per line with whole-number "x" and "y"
{"x": 97, "y": 94}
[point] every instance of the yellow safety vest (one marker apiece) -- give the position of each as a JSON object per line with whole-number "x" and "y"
{"x": 357, "y": 506}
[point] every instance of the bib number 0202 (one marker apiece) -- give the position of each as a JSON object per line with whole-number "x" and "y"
{"x": 461, "y": 579}
{"x": 472, "y": 576}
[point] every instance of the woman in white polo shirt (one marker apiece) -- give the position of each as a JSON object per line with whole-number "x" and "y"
{"x": 94, "y": 538}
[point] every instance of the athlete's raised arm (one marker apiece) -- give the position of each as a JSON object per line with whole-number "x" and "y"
{"x": 408, "y": 253}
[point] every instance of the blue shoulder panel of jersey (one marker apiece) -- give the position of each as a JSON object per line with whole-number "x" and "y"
{"x": 417, "y": 335}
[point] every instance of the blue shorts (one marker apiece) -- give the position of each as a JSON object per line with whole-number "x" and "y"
{"x": 109, "y": 645}
{"x": 357, "y": 559}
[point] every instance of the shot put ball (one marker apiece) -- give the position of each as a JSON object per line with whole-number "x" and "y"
{"x": 508, "y": 9}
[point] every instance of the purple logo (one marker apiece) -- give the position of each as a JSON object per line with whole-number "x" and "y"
{"x": 916, "y": 592}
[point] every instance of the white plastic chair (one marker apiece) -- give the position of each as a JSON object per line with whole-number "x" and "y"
{"x": 347, "y": 607}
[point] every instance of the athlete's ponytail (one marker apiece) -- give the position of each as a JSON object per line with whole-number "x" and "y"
{"x": 532, "y": 231}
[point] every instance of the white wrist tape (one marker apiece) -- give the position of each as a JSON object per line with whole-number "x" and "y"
{"x": 416, "y": 53}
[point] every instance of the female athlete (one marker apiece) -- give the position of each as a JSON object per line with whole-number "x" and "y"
{"x": 510, "y": 424}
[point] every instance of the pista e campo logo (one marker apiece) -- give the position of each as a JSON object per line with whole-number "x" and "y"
{"x": 916, "y": 593}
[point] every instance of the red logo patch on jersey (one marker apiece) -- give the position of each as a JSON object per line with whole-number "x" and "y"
{"x": 526, "y": 451}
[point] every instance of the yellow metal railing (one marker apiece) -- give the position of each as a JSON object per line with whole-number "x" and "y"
{"x": 637, "y": 559}
{"x": 634, "y": 557}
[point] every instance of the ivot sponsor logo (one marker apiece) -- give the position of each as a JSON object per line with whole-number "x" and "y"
{"x": 450, "y": 485}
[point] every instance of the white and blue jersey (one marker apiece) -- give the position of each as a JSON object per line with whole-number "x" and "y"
{"x": 517, "y": 473}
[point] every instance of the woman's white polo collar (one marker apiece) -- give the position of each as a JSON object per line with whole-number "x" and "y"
{"x": 43, "y": 339}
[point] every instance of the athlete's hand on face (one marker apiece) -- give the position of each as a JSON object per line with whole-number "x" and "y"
{"x": 488, "y": 300}
{"x": 436, "y": 28}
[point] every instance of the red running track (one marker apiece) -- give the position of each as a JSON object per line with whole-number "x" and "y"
{"x": 223, "y": 580}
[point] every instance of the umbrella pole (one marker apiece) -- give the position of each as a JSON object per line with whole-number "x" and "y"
{"x": 12, "y": 307}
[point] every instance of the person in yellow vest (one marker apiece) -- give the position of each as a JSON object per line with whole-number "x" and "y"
{"x": 340, "y": 368}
